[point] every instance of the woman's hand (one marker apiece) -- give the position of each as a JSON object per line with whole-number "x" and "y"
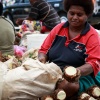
{"x": 42, "y": 57}
{"x": 85, "y": 69}
{"x": 69, "y": 88}
{"x": 78, "y": 75}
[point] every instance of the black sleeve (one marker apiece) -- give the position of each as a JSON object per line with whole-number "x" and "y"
{"x": 34, "y": 12}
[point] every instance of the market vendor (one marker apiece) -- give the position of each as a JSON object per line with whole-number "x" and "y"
{"x": 75, "y": 43}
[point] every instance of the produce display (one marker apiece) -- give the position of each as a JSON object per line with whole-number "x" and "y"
{"x": 58, "y": 94}
{"x": 72, "y": 74}
{"x": 85, "y": 96}
{"x": 61, "y": 92}
{"x": 94, "y": 91}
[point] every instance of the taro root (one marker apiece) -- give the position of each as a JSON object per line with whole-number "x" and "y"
{"x": 70, "y": 89}
{"x": 90, "y": 98}
{"x": 71, "y": 74}
{"x": 59, "y": 94}
{"x": 94, "y": 91}
{"x": 85, "y": 96}
{"x": 62, "y": 84}
{"x": 46, "y": 97}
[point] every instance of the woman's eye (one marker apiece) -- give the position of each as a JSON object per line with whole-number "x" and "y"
{"x": 71, "y": 13}
{"x": 79, "y": 15}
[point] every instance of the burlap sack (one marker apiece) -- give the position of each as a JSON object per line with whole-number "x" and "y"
{"x": 30, "y": 81}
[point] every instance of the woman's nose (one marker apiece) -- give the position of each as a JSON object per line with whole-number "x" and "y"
{"x": 75, "y": 16}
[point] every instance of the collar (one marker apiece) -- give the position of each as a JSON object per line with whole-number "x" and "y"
{"x": 85, "y": 30}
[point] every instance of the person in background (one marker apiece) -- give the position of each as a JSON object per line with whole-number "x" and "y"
{"x": 42, "y": 11}
{"x": 75, "y": 43}
{"x": 7, "y": 34}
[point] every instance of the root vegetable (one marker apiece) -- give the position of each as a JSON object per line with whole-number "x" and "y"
{"x": 94, "y": 91}
{"x": 59, "y": 94}
{"x": 85, "y": 96}
{"x": 71, "y": 74}
{"x": 91, "y": 98}
{"x": 47, "y": 97}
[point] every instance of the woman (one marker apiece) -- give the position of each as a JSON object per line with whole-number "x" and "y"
{"x": 75, "y": 43}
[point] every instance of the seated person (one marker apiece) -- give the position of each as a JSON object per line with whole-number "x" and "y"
{"x": 42, "y": 11}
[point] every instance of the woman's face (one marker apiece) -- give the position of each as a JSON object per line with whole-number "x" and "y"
{"x": 76, "y": 16}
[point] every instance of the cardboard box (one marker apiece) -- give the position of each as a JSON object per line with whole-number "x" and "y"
{"x": 35, "y": 40}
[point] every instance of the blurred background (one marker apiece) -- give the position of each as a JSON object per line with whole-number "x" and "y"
{"x": 14, "y": 9}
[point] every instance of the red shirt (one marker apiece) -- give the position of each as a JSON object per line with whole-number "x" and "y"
{"x": 84, "y": 48}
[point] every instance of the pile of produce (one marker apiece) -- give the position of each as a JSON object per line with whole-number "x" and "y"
{"x": 93, "y": 93}
{"x": 70, "y": 75}
{"x": 58, "y": 94}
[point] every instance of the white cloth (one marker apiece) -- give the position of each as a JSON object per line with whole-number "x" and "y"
{"x": 30, "y": 81}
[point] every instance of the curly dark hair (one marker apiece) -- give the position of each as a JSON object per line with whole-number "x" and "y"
{"x": 88, "y": 5}
{"x": 1, "y": 8}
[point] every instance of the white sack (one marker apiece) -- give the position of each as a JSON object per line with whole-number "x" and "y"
{"x": 12, "y": 63}
{"x": 32, "y": 79}
{"x": 3, "y": 71}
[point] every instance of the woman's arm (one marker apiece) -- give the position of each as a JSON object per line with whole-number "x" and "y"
{"x": 20, "y": 20}
{"x": 85, "y": 69}
{"x": 42, "y": 57}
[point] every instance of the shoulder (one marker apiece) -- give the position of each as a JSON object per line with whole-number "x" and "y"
{"x": 93, "y": 31}
{"x": 60, "y": 25}
{"x": 8, "y": 20}
{"x": 92, "y": 37}
{"x": 57, "y": 28}
{"x": 40, "y": 1}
